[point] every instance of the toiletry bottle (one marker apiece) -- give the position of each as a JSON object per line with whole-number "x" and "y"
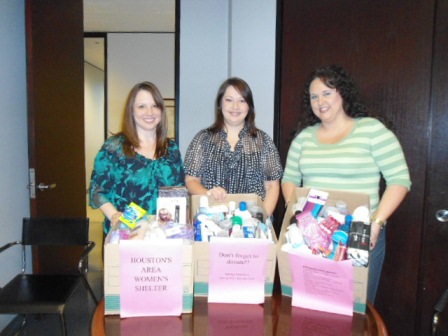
{"x": 243, "y": 212}
{"x": 256, "y": 212}
{"x": 227, "y": 223}
{"x": 293, "y": 219}
{"x": 237, "y": 229}
{"x": 249, "y": 227}
{"x": 232, "y": 207}
{"x": 340, "y": 240}
{"x": 348, "y": 222}
{"x": 200, "y": 219}
{"x": 342, "y": 207}
{"x": 297, "y": 208}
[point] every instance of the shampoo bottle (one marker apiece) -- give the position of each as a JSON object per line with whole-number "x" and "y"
{"x": 243, "y": 212}
{"x": 200, "y": 219}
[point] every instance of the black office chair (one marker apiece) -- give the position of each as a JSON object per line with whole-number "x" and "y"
{"x": 47, "y": 293}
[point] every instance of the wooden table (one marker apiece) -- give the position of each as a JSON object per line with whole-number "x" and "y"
{"x": 275, "y": 317}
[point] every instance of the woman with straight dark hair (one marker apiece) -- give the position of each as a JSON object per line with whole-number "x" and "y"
{"x": 232, "y": 155}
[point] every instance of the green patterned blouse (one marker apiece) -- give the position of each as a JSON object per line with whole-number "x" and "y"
{"x": 121, "y": 180}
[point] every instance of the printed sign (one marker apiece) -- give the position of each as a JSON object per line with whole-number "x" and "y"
{"x": 322, "y": 284}
{"x": 151, "y": 278}
{"x": 237, "y": 270}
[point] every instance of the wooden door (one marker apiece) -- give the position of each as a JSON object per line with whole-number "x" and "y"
{"x": 387, "y": 47}
{"x": 55, "y": 77}
{"x": 434, "y": 261}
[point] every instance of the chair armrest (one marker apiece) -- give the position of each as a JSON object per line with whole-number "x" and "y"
{"x": 438, "y": 308}
{"x": 89, "y": 247}
{"x": 7, "y": 246}
{"x": 441, "y": 303}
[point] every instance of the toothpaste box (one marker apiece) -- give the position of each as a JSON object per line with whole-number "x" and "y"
{"x": 358, "y": 244}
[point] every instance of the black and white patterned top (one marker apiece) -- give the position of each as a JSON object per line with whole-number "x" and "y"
{"x": 242, "y": 171}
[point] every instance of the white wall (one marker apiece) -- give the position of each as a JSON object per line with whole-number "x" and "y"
{"x": 14, "y": 201}
{"x": 134, "y": 58}
{"x": 93, "y": 125}
{"x": 93, "y": 114}
{"x": 234, "y": 38}
{"x": 252, "y": 54}
{"x": 204, "y": 43}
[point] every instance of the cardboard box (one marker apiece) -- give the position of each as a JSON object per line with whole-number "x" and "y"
{"x": 201, "y": 250}
{"x": 112, "y": 277}
{"x": 361, "y": 274}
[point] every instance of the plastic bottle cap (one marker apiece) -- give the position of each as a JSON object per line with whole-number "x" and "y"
{"x": 243, "y": 206}
{"x": 237, "y": 220}
{"x": 361, "y": 214}
{"x": 342, "y": 206}
{"x": 340, "y": 236}
{"x": 232, "y": 206}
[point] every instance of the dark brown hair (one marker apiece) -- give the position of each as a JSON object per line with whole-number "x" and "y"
{"x": 244, "y": 90}
{"x": 335, "y": 77}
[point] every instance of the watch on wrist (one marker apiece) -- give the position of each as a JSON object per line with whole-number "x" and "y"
{"x": 380, "y": 222}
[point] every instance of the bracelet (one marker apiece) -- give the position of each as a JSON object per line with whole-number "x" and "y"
{"x": 380, "y": 222}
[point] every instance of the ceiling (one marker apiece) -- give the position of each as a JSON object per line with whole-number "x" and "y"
{"x": 123, "y": 16}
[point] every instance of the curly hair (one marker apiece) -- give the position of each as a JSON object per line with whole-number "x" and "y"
{"x": 335, "y": 77}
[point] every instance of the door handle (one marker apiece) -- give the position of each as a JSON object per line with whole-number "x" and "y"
{"x": 442, "y": 215}
{"x": 43, "y": 187}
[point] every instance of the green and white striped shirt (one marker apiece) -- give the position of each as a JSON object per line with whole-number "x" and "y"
{"x": 354, "y": 164}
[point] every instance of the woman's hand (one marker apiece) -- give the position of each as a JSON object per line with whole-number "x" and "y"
{"x": 392, "y": 198}
{"x": 115, "y": 218}
{"x": 196, "y": 188}
{"x": 111, "y": 213}
{"x": 272, "y": 194}
{"x": 218, "y": 193}
{"x": 374, "y": 234}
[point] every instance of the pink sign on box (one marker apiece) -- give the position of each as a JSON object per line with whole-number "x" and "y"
{"x": 151, "y": 278}
{"x": 322, "y": 284}
{"x": 237, "y": 270}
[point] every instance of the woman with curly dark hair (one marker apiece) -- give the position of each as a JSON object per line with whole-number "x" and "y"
{"x": 340, "y": 147}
